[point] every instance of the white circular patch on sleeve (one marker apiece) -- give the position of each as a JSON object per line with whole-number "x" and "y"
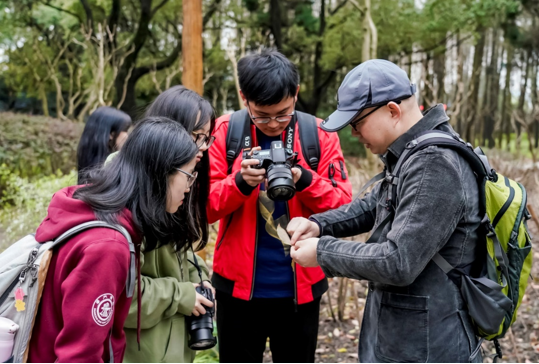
{"x": 103, "y": 308}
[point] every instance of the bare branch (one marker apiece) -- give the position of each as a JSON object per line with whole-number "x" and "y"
{"x": 62, "y": 10}
{"x": 338, "y": 7}
{"x": 159, "y": 6}
{"x": 124, "y": 91}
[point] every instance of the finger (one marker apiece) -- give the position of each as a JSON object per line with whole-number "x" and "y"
{"x": 298, "y": 233}
{"x": 206, "y": 302}
{"x": 249, "y": 162}
{"x": 195, "y": 312}
{"x": 254, "y": 172}
{"x": 201, "y": 310}
{"x": 293, "y": 225}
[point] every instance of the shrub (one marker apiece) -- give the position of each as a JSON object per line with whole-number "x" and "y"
{"x": 29, "y": 200}
{"x": 38, "y": 145}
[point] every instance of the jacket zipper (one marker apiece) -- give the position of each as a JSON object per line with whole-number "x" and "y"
{"x": 224, "y": 232}
{"x": 254, "y": 262}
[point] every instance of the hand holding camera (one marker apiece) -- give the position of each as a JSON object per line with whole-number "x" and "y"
{"x": 201, "y": 302}
{"x": 276, "y": 164}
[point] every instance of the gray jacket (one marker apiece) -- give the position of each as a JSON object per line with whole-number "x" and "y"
{"x": 414, "y": 312}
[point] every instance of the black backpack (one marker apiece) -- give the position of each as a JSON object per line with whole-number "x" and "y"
{"x": 238, "y": 137}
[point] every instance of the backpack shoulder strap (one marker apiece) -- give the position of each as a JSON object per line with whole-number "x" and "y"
{"x": 130, "y": 285}
{"x": 238, "y": 125}
{"x": 308, "y": 136}
{"x": 477, "y": 162}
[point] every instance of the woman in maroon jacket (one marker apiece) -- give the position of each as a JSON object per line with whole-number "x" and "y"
{"x": 84, "y": 299}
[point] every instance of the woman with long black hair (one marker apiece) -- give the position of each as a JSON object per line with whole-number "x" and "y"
{"x": 84, "y": 303}
{"x": 169, "y": 274}
{"x": 105, "y": 132}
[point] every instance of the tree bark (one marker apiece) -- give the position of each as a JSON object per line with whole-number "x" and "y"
{"x": 192, "y": 46}
{"x": 474, "y": 83}
{"x": 275, "y": 23}
{"x": 492, "y": 89}
{"x": 505, "y": 127}
{"x": 439, "y": 72}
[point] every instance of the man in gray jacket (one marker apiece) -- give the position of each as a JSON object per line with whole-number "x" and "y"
{"x": 414, "y": 311}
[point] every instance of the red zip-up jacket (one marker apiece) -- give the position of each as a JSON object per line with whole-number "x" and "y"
{"x": 84, "y": 296}
{"x": 232, "y": 198}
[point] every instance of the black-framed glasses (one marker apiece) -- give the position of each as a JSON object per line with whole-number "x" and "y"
{"x": 201, "y": 139}
{"x": 266, "y": 119}
{"x": 191, "y": 178}
{"x": 354, "y": 124}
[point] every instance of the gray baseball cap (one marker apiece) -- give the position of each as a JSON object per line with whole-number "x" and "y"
{"x": 373, "y": 83}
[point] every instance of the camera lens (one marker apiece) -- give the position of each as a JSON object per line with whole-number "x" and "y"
{"x": 201, "y": 327}
{"x": 281, "y": 185}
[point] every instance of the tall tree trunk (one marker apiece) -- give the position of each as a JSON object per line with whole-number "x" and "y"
{"x": 193, "y": 69}
{"x": 439, "y": 72}
{"x": 275, "y": 20}
{"x": 474, "y": 83}
{"x": 428, "y": 93}
{"x": 535, "y": 100}
{"x": 526, "y": 59}
{"x": 492, "y": 89}
{"x": 321, "y": 79}
{"x": 506, "y": 100}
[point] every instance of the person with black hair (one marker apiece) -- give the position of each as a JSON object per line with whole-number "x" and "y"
{"x": 105, "y": 132}
{"x": 260, "y": 293}
{"x": 169, "y": 274}
{"x": 85, "y": 302}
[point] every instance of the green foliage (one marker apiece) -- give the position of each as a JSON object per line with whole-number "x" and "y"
{"x": 350, "y": 146}
{"x": 29, "y": 200}
{"x": 36, "y": 145}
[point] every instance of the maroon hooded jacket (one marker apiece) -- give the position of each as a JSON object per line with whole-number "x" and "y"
{"x": 84, "y": 297}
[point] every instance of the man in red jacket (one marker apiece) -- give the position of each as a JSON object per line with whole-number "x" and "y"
{"x": 261, "y": 293}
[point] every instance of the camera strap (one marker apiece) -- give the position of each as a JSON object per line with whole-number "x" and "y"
{"x": 239, "y": 137}
{"x": 195, "y": 263}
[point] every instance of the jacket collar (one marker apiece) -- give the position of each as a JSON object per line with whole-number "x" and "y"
{"x": 432, "y": 119}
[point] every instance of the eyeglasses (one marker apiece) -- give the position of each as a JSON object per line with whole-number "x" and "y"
{"x": 355, "y": 123}
{"x": 190, "y": 177}
{"x": 201, "y": 139}
{"x": 267, "y": 119}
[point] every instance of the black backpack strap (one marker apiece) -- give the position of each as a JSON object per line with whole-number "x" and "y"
{"x": 237, "y": 134}
{"x": 308, "y": 136}
{"x": 479, "y": 166}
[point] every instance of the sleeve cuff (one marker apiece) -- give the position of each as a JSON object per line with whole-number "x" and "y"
{"x": 305, "y": 179}
{"x": 317, "y": 223}
{"x": 243, "y": 186}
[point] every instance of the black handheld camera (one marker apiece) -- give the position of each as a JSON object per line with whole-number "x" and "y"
{"x": 201, "y": 327}
{"x": 277, "y": 161}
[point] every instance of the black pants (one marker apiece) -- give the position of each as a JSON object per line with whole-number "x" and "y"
{"x": 244, "y": 326}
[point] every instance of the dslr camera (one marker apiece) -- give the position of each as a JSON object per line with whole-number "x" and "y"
{"x": 277, "y": 161}
{"x": 201, "y": 327}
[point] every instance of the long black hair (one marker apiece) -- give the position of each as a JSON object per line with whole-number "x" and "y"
{"x": 137, "y": 179}
{"x": 95, "y": 142}
{"x": 193, "y": 112}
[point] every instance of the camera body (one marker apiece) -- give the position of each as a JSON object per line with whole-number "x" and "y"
{"x": 277, "y": 161}
{"x": 201, "y": 327}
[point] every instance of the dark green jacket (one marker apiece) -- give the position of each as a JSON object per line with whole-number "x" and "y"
{"x": 168, "y": 295}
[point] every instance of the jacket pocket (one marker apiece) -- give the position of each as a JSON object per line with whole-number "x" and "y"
{"x": 403, "y": 328}
{"x": 177, "y": 342}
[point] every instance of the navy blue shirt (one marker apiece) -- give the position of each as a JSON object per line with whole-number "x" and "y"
{"x": 274, "y": 277}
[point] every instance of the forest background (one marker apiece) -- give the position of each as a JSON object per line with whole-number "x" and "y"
{"x": 61, "y": 59}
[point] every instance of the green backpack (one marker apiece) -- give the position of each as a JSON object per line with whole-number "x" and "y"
{"x": 494, "y": 297}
